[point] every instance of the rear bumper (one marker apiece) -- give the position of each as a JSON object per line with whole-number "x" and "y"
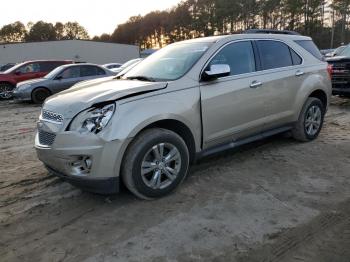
{"x": 341, "y": 91}
{"x": 105, "y": 186}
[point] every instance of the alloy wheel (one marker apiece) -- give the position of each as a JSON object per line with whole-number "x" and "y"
{"x": 161, "y": 166}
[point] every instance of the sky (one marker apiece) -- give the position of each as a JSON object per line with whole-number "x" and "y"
{"x": 97, "y": 17}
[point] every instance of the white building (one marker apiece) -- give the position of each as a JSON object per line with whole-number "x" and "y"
{"x": 76, "y": 50}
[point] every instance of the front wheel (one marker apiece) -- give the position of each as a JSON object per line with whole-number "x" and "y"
{"x": 310, "y": 121}
{"x": 6, "y": 90}
{"x": 155, "y": 163}
{"x": 39, "y": 95}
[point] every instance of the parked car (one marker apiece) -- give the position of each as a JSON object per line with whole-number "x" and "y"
{"x": 6, "y": 67}
{"x": 189, "y": 100}
{"x": 340, "y": 70}
{"x": 127, "y": 64}
{"x": 112, "y": 65}
{"x": 327, "y": 52}
{"x": 336, "y": 51}
{"x": 25, "y": 71}
{"x": 61, "y": 78}
{"x": 127, "y": 69}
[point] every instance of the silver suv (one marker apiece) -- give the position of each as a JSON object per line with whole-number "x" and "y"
{"x": 186, "y": 101}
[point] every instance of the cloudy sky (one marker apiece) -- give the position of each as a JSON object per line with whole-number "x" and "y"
{"x": 96, "y": 16}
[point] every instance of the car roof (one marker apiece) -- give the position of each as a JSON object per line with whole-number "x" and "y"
{"x": 80, "y": 64}
{"x": 224, "y": 38}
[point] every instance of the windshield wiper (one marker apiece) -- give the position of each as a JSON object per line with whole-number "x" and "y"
{"x": 141, "y": 78}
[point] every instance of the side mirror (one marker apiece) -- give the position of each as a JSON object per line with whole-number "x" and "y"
{"x": 216, "y": 71}
{"x": 58, "y": 78}
{"x": 17, "y": 72}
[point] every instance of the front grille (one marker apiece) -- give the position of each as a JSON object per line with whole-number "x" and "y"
{"x": 51, "y": 116}
{"x": 45, "y": 138}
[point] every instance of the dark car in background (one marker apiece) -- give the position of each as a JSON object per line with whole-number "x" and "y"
{"x": 26, "y": 71}
{"x": 61, "y": 78}
{"x": 6, "y": 67}
{"x": 340, "y": 70}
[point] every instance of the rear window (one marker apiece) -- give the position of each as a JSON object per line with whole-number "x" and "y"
{"x": 310, "y": 46}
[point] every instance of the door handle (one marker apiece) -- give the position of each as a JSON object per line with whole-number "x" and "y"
{"x": 255, "y": 84}
{"x": 299, "y": 73}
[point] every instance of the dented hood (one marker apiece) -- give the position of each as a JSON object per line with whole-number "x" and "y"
{"x": 85, "y": 94}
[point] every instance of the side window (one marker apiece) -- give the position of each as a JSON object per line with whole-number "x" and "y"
{"x": 239, "y": 56}
{"x": 274, "y": 54}
{"x": 30, "y": 68}
{"x": 71, "y": 72}
{"x": 49, "y": 66}
{"x": 295, "y": 57}
{"x": 100, "y": 71}
{"x": 88, "y": 71}
{"x": 310, "y": 46}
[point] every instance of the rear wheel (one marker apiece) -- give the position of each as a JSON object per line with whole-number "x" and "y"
{"x": 6, "y": 90}
{"x": 155, "y": 163}
{"x": 310, "y": 121}
{"x": 39, "y": 95}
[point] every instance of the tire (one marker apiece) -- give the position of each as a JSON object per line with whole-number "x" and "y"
{"x": 39, "y": 95}
{"x": 141, "y": 155}
{"x": 6, "y": 90}
{"x": 301, "y": 130}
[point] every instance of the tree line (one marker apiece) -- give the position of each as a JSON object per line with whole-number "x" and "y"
{"x": 326, "y": 21}
{"x": 42, "y": 31}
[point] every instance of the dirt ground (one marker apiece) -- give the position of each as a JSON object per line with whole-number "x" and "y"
{"x": 274, "y": 200}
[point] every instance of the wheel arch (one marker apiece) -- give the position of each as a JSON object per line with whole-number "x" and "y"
{"x": 36, "y": 88}
{"x": 177, "y": 127}
{"x": 320, "y": 94}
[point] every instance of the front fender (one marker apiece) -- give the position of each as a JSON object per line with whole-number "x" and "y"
{"x": 132, "y": 117}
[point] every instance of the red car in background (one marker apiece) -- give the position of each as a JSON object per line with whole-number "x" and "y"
{"x": 26, "y": 71}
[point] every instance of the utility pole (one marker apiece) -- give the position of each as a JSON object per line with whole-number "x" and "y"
{"x": 333, "y": 28}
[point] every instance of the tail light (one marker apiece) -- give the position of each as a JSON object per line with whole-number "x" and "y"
{"x": 330, "y": 70}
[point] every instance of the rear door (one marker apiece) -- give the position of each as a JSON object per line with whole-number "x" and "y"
{"x": 282, "y": 76}
{"x": 233, "y": 106}
{"x": 91, "y": 72}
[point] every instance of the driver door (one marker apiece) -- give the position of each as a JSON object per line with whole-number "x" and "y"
{"x": 233, "y": 106}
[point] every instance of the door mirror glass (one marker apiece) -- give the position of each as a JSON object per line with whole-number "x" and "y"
{"x": 216, "y": 71}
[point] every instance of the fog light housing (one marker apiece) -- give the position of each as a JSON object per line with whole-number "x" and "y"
{"x": 81, "y": 165}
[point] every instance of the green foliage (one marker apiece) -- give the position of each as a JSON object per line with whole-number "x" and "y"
{"x": 42, "y": 31}
{"x": 196, "y": 18}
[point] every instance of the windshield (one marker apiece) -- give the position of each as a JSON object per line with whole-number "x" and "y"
{"x": 169, "y": 63}
{"x": 14, "y": 68}
{"x": 345, "y": 52}
{"x": 53, "y": 73}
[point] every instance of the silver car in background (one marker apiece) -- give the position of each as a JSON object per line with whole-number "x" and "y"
{"x": 59, "y": 79}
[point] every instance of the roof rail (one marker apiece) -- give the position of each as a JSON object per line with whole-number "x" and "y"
{"x": 270, "y": 31}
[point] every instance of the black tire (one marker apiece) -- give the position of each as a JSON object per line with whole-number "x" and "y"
{"x": 6, "y": 90}
{"x": 136, "y": 153}
{"x": 39, "y": 95}
{"x": 299, "y": 131}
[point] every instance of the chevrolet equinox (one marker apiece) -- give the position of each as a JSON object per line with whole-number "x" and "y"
{"x": 186, "y": 101}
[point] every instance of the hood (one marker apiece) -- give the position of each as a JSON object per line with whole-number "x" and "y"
{"x": 33, "y": 81}
{"x": 338, "y": 58}
{"x": 85, "y": 94}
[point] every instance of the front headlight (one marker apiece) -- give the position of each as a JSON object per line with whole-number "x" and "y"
{"x": 93, "y": 120}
